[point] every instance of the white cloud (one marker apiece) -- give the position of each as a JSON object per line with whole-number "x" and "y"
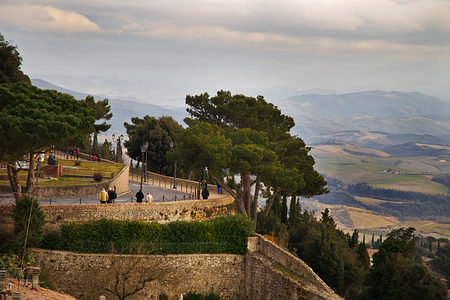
{"x": 45, "y": 18}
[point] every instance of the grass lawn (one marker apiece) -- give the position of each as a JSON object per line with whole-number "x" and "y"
{"x": 86, "y": 167}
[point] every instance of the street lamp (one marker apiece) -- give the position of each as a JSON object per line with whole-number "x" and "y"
{"x": 174, "y": 169}
{"x": 143, "y": 149}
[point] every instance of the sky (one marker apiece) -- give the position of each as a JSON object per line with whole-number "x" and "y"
{"x": 157, "y": 51}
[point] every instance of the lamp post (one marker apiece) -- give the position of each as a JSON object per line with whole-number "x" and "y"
{"x": 174, "y": 169}
{"x": 143, "y": 149}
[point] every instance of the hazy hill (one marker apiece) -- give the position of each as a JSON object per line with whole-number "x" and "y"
{"x": 392, "y": 112}
{"x": 123, "y": 110}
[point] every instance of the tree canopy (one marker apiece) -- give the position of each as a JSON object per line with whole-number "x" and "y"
{"x": 10, "y": 62}
{"x": 102, "y": 112}
{"x": 394, "y": 275}
{"x": 31, "y": 120}
{"x": 235, "y": 134}
{"x": 159, "y": 133}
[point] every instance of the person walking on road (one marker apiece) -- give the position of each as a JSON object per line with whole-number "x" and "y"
{"x": 149, "y": 198}
{"x": 139, "y": 196}
{"x": 111, "y": 195}
{"x": 103, "y": 197}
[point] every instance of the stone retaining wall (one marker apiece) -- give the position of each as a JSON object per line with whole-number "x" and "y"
{"x": 252, "y": 276}
{"x": 154, "y": 212}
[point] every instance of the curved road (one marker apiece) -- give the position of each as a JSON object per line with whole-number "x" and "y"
{"x": 157, "y": 192}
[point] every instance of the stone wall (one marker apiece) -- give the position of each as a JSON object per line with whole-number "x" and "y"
{"x": 251, "y": 276}
{"x": 270, "y": 262}
{"x": 155, "y": 212}
{"x": 83, "y": 275}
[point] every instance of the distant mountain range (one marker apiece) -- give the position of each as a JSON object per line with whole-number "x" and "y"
{"x": 123, "y": 110}
{"x": 370, "y": 118}
{"x": 392, "y": 112}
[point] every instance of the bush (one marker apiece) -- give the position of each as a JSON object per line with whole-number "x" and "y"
{"x": 220, "y": 235}
{"x": 98, "y": 177}
{"x": 21, "y": 215}
{"x": 77, "y": 163}
{"x": 163, "y": 297}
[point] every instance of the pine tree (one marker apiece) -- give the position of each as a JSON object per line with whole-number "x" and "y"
{"x": 284, "y": 210}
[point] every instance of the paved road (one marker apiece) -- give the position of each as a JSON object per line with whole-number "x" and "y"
{"x": 160, "y": 194}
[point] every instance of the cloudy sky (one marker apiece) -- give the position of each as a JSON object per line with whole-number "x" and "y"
{"x": 159, "y": 50}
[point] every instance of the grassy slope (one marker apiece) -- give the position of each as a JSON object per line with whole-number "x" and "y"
{"x": 349, "y": 168}
{"x": 333, "y": 161}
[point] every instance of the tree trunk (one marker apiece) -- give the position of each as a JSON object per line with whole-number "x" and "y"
{"x": 30, "y": 178}
{"x": 233, "y": 194}
{"x": 270, "y": 201}
{"x": 255, "y": 199}
{"x": 246, "y": 193}
{"x": 95, "y": 144}
{"x": 14, "y": 181}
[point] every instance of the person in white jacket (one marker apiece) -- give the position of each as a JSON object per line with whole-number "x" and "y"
{"x": 149, "y": 198}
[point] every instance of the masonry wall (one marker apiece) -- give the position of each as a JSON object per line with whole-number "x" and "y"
{"x": 83, "y": 276}
{"x": 154, "y": 212}
{"x": 252, "y": 276}
{"x": 274, "y": 271}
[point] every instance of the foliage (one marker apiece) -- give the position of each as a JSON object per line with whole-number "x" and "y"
{"x": 102, "y": 112}
{"x": 337, "y": 258}
{"x": 443, "y": 179}
{"x": 10, "y": 62}
{"x": 220, "y": 235}
{"x": 197, "y": 296}
{"x": 441, "y": 263}
{"x": 21, "y": 216}
{"x": 31, "y": 120}
{"x": 159, "y": 133}
{"x": 236, "y": 134}
{"x": 163, "y": 297}
{"x": 394, "y": 275}
{"x": 12, "y": 264}
{"x": 98, "y": 176}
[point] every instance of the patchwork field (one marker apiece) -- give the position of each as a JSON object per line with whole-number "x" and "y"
{"x": 354, "y": 164}
{"x": 349, "y": 218}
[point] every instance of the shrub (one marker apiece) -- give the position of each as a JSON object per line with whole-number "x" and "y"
{"x": 221, "y": 235}
{"x": 163, "y": 297}
{"x": 97, "y": 176}
{"x": 21, "y": 215}
{"x": 193, "y": 296}
{"x": 77, "y": 163}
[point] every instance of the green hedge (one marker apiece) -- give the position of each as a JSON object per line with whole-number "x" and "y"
{"x": 226, "y": 234}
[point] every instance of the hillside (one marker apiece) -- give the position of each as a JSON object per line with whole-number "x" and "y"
{"x": 123, "y": 110}
{"x": 393, "y": 112}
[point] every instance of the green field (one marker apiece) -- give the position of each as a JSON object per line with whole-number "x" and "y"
{"x": 412, "y": 174}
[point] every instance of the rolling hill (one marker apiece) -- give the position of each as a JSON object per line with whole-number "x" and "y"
{"x": 123, "y": 110}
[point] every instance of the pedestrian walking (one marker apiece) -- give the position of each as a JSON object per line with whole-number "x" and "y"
{"x": 205, "y": 193}
{"x": 219, "y": 189}
{"x": 78, "y": 153}
{"x": 103, "y": 197}
{"x": 149, "y": 198}
{"x": 139, "y": 196}
{"x": 111, "y": 195}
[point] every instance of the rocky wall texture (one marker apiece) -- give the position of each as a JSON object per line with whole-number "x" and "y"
{"x": 266, "y": 272}
{"x": 86, "y": 276}
{"x": 189, "y": 210}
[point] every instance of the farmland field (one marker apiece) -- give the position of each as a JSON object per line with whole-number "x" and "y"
{"x": 408, "y": 174}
